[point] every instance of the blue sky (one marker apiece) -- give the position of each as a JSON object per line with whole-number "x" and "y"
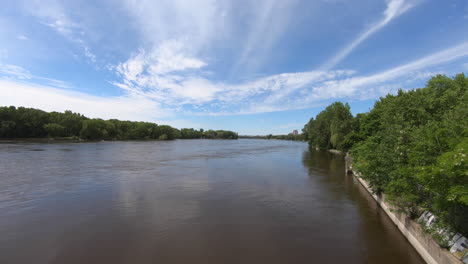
{"x": 256, "y": 67}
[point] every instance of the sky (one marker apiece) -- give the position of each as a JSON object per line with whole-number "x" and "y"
{"x": 254, "y": 67}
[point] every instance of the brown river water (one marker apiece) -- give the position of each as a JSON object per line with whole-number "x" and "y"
{"x": 188, "y": 201}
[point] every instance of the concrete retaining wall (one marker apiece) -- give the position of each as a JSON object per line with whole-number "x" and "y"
{"x": 424, "y": 244}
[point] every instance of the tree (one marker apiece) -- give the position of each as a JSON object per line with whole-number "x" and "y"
{"x": 330, "y": 127}
{"x": 29, "y": 122}
{"x": 94, "y": 129}
{"x": 54, "y": 130}
{"x": 411, "y": 146}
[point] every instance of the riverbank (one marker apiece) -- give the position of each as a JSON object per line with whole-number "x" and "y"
{"x": 424, "y": 244}
{"x": 214, "y": 199}
{"x": 80, "y": 140}
{"x": 40, "y": 140}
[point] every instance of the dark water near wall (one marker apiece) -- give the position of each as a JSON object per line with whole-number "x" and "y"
{"x": 192, "y": 201}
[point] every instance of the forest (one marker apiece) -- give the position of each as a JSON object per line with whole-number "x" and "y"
{"x": 290, "y": 136}
{"x": 412, "y": 146}
{"x": 21, "y": 122}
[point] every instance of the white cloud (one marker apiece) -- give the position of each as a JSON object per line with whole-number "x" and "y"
{"x": 162, "y": 75}
{"x": 271, "y": 22}
{"x": 198, "y": 26}
{"x": 267, "y": 94}
{"x": 372, "y": 86}
{"x": 157, "y": 74}
{"x": 168, "y": 57}
{"x": 3, "y": 54}
{"x": 14, "y": 72}
{"x": 394, "y": 9}
{"x": 167, "y": 70}
{"x": 167, "y": 66}
{"x": 285, "y": 91}
{"x": 86, "y": 50}
{"x": 193, "y": 21}
{"x": 466, "y": 12}
{"x": 52, "y": 99}
{"x": 22, "y": 37}
{"x": 53, "y": 14}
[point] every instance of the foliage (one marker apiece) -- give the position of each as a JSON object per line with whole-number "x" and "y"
{"x": 290, "y": 136}
{"x": 54, "y": 130}
{"x": 33, "y": 123}
{"x": 189, "y": 133}
{"x": 412, "y": 146}
{"x": 434, "y": 230}
{"x": 220, "y": 134}
{"x": 330, "y": 127}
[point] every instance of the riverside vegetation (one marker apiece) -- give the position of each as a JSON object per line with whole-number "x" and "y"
{"x": 24, "y": 122}
{"x": 412, "y": 146}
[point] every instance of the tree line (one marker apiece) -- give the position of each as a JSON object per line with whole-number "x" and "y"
{"x": 21, "y": 122}
{"x": 412, "y": 146}
{"x": 290, "y": 136}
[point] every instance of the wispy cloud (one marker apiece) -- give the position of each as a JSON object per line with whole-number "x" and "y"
{"x": 167, "y": 66}
{"x": 18, "y": 73}
{"x": 53, "y": 99}
{"x": 13, "y": 71}
{"x": 394, "y": 9}
{"x": 466, "y": 12}
{"x": 22, "y": 37}
{"x": 271, "y": 21}
{"x": 272, "y": 93}
{"x": 175, "y": 57}
{"x": 372, "y": 86}
{"x": 199, "y": 25}
{"x": 158, "y": 75}
{"x": 177, "y": 80}
{"x": 193, "y": 23}
{"x": 256, "y": 96}
{"x": 171, "y": 70}
{"x": 3, "y": 54}
{"x": 53, "y": 14}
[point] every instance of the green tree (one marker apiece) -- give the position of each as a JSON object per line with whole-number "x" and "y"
{"x": 94, "y": 129}
{"x": 330, "y": 127}
{"x": 54, "y": 130}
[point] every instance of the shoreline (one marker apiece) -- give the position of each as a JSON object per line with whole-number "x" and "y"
{"x": 422, "y": 242}
{"x": 40, "y": 140}
{"x": 70, "y": 140}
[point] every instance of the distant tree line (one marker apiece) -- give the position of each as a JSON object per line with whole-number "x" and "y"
{"x": 290, "y": 136}
{"x": 21, "y": 122}
{"x": 412, "y": 146}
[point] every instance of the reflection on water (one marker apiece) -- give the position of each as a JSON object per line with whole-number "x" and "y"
{"x": 188, "y": 201}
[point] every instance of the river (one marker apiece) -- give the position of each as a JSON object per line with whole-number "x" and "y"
{"x": 188, "y": 201}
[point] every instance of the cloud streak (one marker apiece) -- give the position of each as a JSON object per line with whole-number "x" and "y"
{"x": 14, "y": 72}
{"x": 304, "y": 89}
{"x": 52, "y": 99}
{"x": 271, "y": 21}
{"x": 177, "y": 58}
{"x": 53, "y": 14}
{"x": 394, "y": 9}
{"x": 372, "y": 86}
{"x": 22, "y": 37}
{"x": 278, "y": 92}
